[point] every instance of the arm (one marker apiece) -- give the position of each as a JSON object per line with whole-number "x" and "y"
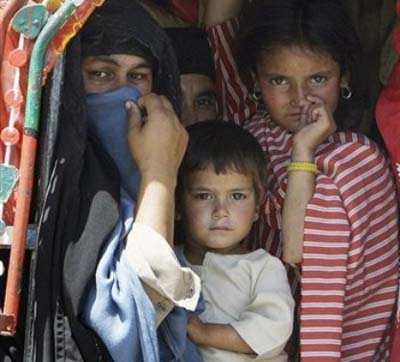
{"x": 158, "y": 147}
{"x": 234, "y": 99}
{"x": 219, "y": 11}
{"x": 222, "y": 336}
{"x": 300, "y": 186}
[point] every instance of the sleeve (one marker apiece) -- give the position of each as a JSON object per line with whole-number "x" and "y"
{"x": 346, "y": 231}
{"x": 157, "y": 266}
{"x": 234, "y": 99}
{"x": 267, "y": 322}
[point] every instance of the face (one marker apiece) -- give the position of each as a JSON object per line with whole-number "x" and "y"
{"x": 199, "y": 99}
{"x": 108, "y": 72}
{"x": 287, "y": 75}
{"x": 218, "y": 210}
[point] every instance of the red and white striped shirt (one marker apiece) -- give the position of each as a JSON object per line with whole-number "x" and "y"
{"x": 350, "y": 257}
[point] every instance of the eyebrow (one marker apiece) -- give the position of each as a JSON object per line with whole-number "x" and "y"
{"x": 209, "y": 93}
{"x": 105, "y": 59}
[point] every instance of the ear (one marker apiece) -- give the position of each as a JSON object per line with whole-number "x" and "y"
{"x": 260, "y": 204}
{"x": 344, "y": 80}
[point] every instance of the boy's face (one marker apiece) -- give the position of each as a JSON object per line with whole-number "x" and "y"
{"x": 218, "y": 210}
{"x": 105, "y": 73}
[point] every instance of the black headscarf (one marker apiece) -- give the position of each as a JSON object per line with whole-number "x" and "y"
{"x": 113, "y": 30}
{"x": 192, "y": 50}
{"x": 81, "y": 208}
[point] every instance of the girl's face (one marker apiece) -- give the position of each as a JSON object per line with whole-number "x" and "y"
{"x": 105, "y": 73}
{"x": 286, "y": 75}
{"x": 218, "y": 210}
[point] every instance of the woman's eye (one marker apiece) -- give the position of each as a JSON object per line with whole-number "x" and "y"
{"x": 278, "y": 81}
{"x": 238, "y": 196}
{"x": 99, "y": 74}
{"x": 137, "y": 77}
{"x": 203, "y": 196}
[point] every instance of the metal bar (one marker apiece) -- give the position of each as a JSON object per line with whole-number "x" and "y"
{"x": 28, "y": 157}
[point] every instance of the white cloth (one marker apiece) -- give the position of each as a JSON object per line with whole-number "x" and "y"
{"x": 166, "y": 283}
{"x": 251, "y": 292}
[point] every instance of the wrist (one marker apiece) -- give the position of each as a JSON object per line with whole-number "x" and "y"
{"x": 302, "y": 153}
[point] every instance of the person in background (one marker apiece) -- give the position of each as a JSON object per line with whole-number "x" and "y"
{"x": 197, "y": 74}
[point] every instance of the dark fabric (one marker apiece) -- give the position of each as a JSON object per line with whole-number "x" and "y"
{"x": 113, "y": 27}
{"x": 81, "y": 208}
{"x": 192, "y": 51}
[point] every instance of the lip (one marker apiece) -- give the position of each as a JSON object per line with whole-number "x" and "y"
{"x": 220, "y": 228}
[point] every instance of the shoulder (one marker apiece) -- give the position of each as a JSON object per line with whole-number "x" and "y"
{"x": 348, "y": 151}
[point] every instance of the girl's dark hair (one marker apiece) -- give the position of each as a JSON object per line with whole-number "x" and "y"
{"x": 320, "y": 25}
{"x": 226, "y": 147}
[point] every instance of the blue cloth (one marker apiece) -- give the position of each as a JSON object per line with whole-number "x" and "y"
{"x": 117, "y": 307}
{"x": 119, "y": 311}
{"x": 108, "y": 121}
{"x": 174, "y": 344}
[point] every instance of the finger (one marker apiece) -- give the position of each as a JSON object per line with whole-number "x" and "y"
{"x": 134, "y": 115}
{"x": 315, "y": 99}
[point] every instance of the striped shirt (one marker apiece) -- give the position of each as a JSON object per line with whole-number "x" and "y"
{"x": 350, "y": 255}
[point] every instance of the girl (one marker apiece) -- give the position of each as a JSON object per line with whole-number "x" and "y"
{"x": 331, "y": 192}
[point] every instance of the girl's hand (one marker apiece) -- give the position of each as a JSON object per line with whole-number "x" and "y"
{"x": 319, "y": 125}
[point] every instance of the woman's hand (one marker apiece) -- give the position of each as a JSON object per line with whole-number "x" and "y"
{"x": 319, "y": 125}
{"x": 157, "y": 144}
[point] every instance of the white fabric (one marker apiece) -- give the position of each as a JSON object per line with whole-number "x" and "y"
{"x": 251, "y": 292}
{"x": 165, "y": 281}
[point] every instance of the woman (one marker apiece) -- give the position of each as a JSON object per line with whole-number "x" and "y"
{"x": 120, "y": 46}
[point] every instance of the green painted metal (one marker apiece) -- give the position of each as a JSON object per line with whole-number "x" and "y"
{"x": 35, "y": 80}
{"x": 30, "y": 20}
{"x": 8, "y": 180}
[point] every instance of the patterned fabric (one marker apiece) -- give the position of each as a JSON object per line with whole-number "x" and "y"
{"x": 234, "y": 99}
{"x": 350, "y": 255}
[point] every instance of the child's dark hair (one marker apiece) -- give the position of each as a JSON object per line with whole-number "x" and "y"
{"x": 320, "y": 25}
{"x": 226, "y": 147}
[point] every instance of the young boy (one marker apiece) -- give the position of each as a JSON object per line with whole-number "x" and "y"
{"x": 248, "y": 303}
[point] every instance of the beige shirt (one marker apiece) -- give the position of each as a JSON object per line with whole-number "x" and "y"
{"x": 251, "y": 292}
{"x": 166, "y": 283}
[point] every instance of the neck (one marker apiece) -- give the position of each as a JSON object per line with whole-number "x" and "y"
{"x": 195, "y": 253}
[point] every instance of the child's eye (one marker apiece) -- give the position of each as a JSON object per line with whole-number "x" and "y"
{"x": 319, "y": 79}
{"x": 238, "y": 196}
{"x": 279, "y": 81}
{"x": 202, "y": 196}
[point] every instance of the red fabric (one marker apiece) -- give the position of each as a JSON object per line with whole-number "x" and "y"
{"x": 234, "y": 100}
{"x": 388, "y": 120}
{"x": 350, "y": 255}
{"x": 187, "y": 10}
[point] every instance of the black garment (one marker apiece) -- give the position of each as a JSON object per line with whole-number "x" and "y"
{"x": 82, "y": 208}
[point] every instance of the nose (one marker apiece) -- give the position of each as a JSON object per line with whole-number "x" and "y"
{"x": 189, "y": 114}
{"x": 220, "y": 209}
{"x": 298, "y": 96}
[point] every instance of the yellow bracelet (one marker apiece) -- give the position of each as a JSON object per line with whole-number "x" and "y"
{"x": 302, "y": 166}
